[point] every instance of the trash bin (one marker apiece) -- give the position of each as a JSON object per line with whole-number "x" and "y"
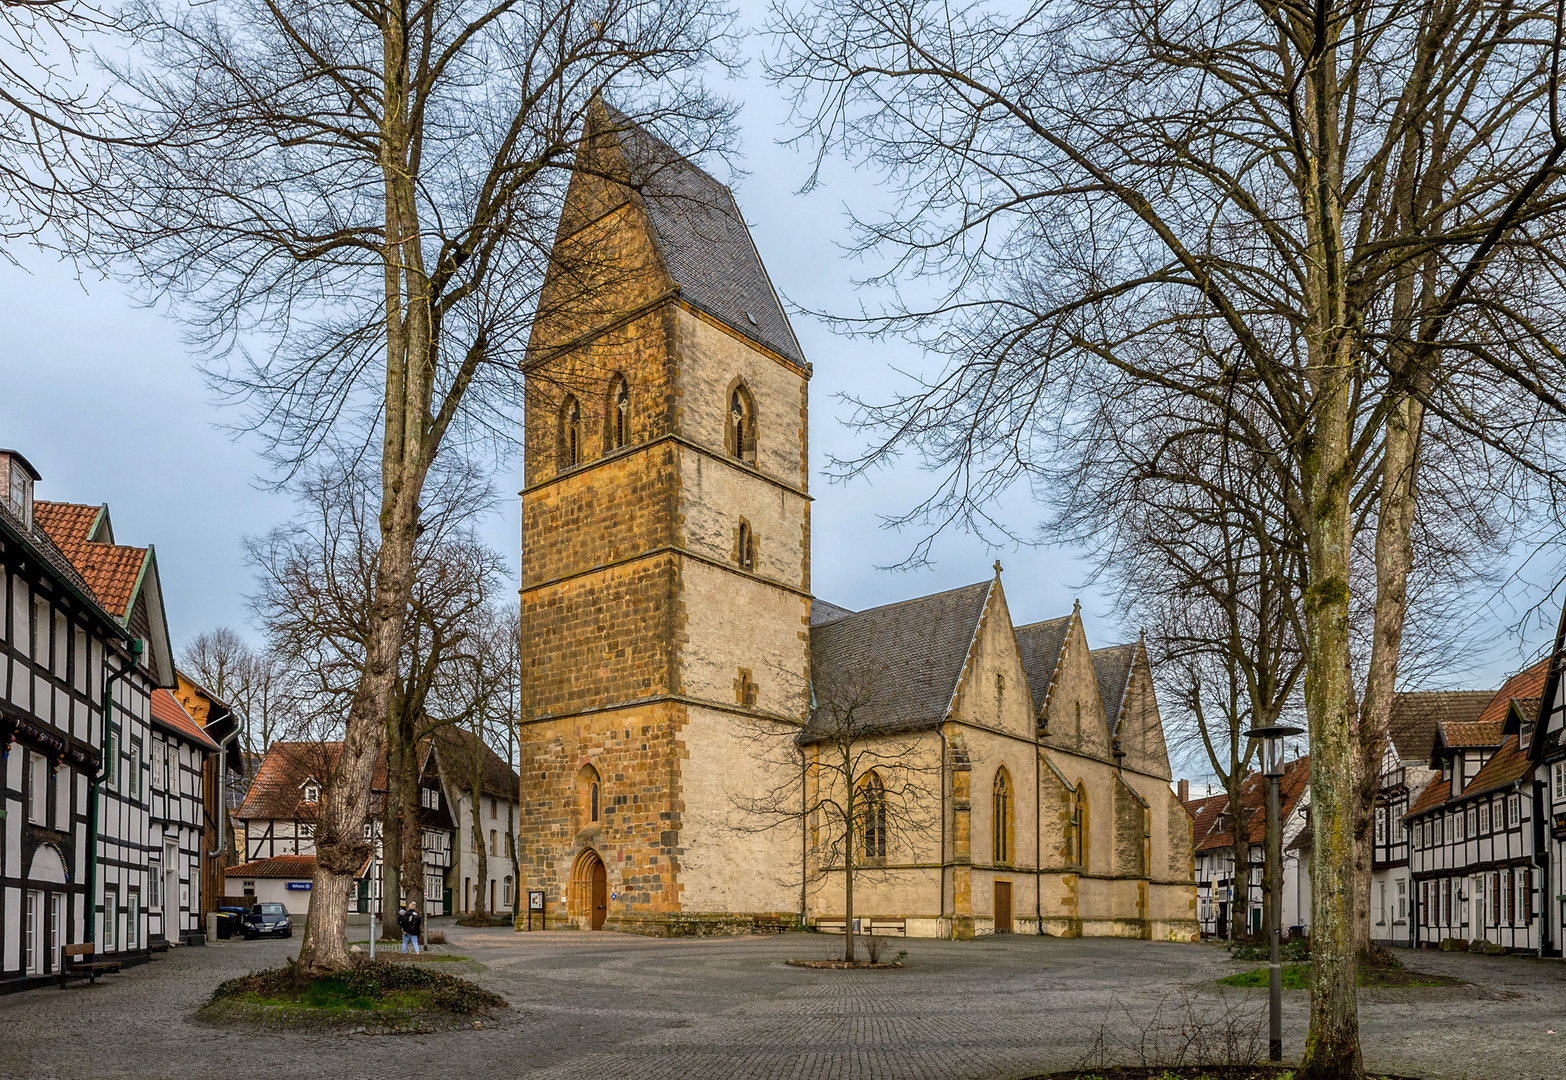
{"x": 226, "y": 921}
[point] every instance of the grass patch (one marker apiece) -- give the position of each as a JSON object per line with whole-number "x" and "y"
{"x": 1297, "y": 977}
{"x": 366, "y": 987}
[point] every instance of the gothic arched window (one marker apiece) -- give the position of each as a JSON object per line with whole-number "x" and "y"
{"x": 617, "y": 419}
{"x": 570, "y": 433}
{"x": 1002, "y": 826}
{"x": 742, "y": 426}
{"x": 590, "y": 796}
{"x": 872, "y": 817}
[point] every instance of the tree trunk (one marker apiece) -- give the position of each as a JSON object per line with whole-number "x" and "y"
{"x": 391, "y": 837}
{"x": 850, "y": 828}
{"x": 406, "y": 453}
{"x": 477, "y": 780}
{"x": 1240, "y": 883}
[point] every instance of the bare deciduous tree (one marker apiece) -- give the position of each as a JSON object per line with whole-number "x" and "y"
{"x": 315, "y": 600}
{"x": 1343, "y": 217}
{"x": 371, "y": 191}
{"x": 860, "y": 791}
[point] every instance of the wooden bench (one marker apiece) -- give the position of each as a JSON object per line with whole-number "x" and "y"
{"x": 73, "y": 968}
{"x": 158, "y": 946}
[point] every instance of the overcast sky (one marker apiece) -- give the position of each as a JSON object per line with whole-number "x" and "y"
{"x": 106, "y": 402}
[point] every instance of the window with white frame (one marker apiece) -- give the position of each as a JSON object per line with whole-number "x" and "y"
{"x": 1484, "y": 818}
{"x": 1506, "y": 896}
{"x": 111, "y": 919}
{"x": 1439, "y": 830}
{"x": 1471, "y": 824}
{"x": 1402, "y": 899}
{"x": 112, "y": 754}
{"x": 135, "y": 767}
{"x": 312, "y": 793}
{"x": 154, "y": 883}
{"x": 33, "y": 946}
{"x": 507, "y": 893}
{"x": 1381, "y": 825}
{"x": 132, "y": 919}
{"x": 37, "y": 788}
{"x": 1513, "y": 810}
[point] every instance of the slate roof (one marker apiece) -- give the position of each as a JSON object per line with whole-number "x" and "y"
{"x": 169, "y": 713}
{"x": 704, "y": 241}
{"x": 110, "y": 570}
{"x": 896, "y": 665}
{"x": 1040, "y": 644}
{"x": 1416, "y": 713}
{"x": 1205, "y": 831}
{"x": 823, "y": 612}
{"x": 454, "y": 748}
{"x": 1112, "y": 667}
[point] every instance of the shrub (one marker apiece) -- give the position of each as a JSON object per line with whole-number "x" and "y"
{"x": 364, "y": 985}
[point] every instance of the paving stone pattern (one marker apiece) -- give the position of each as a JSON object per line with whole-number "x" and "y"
{"x": 604, "y": 1006}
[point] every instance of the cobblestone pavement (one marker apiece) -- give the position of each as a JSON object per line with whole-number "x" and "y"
{"x": 604, "y": 1006}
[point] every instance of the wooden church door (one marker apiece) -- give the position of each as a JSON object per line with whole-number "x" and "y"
{"x": 1003, "y": 907}
{"x": 600, "y": 895}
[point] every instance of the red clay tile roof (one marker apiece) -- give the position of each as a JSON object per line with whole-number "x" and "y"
{"x": 171, "y": 714}
{"x": 1488, "y": 728}
{"x": 1436, "y": 793}
{"x": 295, "y": 867}
{"x": 279, "y": 866}
{"x": 277, "y": 790}
{"x": 1508, "y": 764}
{"x": 1253, "y": 799}
{"x": 110, "y": 570}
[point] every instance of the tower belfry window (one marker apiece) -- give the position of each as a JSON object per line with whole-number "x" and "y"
{"x": 619, "y": 413}
{"x": 570, "y": 433}
{"x": 742, "y": 426}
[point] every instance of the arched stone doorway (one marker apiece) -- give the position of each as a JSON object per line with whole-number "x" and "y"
{"x": 590, "y": 890}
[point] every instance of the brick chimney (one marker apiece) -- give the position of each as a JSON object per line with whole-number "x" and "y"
{"x": 1185, "y": 791}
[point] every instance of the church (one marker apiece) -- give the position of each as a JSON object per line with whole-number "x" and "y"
{"x": 706, "y": 747}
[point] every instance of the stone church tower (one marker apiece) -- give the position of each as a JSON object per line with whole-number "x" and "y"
{"x": 666, "y": 551}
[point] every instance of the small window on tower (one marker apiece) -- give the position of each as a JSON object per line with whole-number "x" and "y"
{"x": 745, "y": 548}
{"x": 745, "y": 688}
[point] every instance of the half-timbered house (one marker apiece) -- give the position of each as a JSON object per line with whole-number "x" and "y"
{"x": 1405, "y": 773}
{"x": 279, "y": 814}
{"x": 458, "y": 754}
{"x": 1221, "y": 895}
{"x": 83, "y": 622}
{"x": 1471, "y": 830}
{"x": 1547, "y": 753}
{"x": 180, "y": 754}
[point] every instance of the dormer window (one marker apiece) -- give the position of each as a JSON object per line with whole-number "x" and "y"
{"x": 18, "y": 477}
{"x": 312, "y": 793}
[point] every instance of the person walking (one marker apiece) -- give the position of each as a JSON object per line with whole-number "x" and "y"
{"x": 411, "y": 922}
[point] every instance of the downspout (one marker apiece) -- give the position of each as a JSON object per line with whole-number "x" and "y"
{"x": 1541, "y": 860}
{"x": 1038, "y": 836}
{"x": 222, "y": 786}
{"x": 107, "y": 705}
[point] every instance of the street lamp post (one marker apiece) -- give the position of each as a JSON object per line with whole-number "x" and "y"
{"x": 1271, "y": 738}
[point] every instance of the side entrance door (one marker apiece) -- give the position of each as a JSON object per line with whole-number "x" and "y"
{"x": 1003, "y": 907}
{"x": 600, "y": 895}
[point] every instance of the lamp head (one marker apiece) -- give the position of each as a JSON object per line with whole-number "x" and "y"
{"x": 1272, "y": 737}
